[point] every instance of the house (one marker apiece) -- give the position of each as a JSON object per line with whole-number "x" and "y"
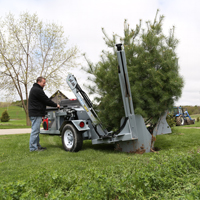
{"x": 58, "y": 96}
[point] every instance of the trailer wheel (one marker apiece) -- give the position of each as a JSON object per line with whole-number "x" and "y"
{"x": 188, "y": 121}
{"x": 179, "y": 121}
{"x": 72, "y": 139}
{"x": 192, "y": 121}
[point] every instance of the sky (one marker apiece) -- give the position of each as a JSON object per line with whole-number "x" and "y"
{"x": 83, "y": 21}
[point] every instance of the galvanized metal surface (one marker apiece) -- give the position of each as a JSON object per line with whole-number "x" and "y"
{"x": 162, "y": 126}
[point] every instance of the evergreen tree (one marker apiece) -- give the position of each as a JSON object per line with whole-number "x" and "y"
{"x": 5, "y": 117}
{"x": 153, "y": 73}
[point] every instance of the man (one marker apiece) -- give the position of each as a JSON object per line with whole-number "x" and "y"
{"x": 36, "y": 107}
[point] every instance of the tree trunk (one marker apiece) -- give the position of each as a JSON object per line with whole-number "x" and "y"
{"x": 28, "y": 121}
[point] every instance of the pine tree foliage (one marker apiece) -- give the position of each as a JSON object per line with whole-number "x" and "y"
{"x": 153, "y": 73}
{"x": 5, "y": 117}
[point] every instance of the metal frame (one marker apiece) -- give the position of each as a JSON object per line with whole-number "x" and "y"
{"x": 132, "y": 136}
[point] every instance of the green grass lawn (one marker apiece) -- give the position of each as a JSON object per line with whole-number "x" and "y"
{"x": 196, "y": 124}
{"x": 195, "y": 116}
{"x": 15, "y": 112}
{"x": 17, "y": 118}
{"x": 99, "y": 172}
{"x": 14, "y": 124}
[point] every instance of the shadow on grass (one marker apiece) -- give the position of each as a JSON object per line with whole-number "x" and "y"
{"x": 56, "y": 143}
{"x": 163, "y": 143}
{"x": 87, "y": 144}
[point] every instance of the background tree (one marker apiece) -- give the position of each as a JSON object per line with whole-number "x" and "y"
{"x": 30, "y": 48}
{"x": 153, "y": 73}
{"x": 5, "y": 116}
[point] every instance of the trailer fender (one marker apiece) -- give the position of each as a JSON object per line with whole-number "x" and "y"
{"x": 80, "y": 125}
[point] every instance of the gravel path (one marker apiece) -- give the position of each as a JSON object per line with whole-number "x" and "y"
{"x": 28, "y": 130}
{"x": 191, "y": 127}
{"x": 14, "y": 131}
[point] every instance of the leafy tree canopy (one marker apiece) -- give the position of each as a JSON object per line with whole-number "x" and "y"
{"x": 153, "y": 73}
{"x": 30, "y": 48}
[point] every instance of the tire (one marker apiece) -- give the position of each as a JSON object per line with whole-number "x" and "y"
{"x": 72, "y": 140}
{"x": 179, "y": 121}
{"x": 192, "y": 121}
{"x": 188, "y": 121}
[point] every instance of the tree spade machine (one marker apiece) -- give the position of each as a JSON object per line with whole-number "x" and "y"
{"x": 78, "y": 121}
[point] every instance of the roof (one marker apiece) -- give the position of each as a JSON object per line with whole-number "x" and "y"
{"x": 57, "y": 93}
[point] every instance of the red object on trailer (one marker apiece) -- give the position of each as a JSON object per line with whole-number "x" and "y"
{"x": 82, "y": 124}
{"x": 45, "y": 124}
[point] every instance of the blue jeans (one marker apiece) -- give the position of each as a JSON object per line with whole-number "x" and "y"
{"x": 34, "y": 137}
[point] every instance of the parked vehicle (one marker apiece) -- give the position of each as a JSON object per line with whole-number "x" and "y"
{"x": 182, "y": 116}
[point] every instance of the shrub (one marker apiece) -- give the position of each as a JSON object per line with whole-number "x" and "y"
{"x": 171, "y": 120}
{"x": 5, "y": 117}
{"x": 166, "y": 176}
{"x": 197, "y": 119}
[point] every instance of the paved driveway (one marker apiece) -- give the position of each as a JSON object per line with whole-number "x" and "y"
{"x": 28, "y": 130}
{"x": 14, "y": 131}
